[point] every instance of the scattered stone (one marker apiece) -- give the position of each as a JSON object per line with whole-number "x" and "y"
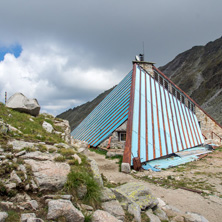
{"x": 103, "y": 216}
{"x": 25, "y": 217}
{"x": 160, "y": 213}
{"x": 19, "y": 144}
{"x": 194, "y": 217}
{"x": 161, "y": 202}
{"x": 65, "y": 208}
{"x": 65, "y": 197}
{"x": 2, "y": 157}
{"x": 96, "y": 173}
{"x": 10, "y": 186}
{"x": 14, "y": 177}
{"x": 22, "y": 104}
{"x": 30, "y": 205}
{"x": 178, "y": 218}
{"x": 21, "y": 198}
{"x": 125, "y": 168}
{"x": 13, "y": 129}
{"x": 37, "y": 155}
{"x": 23, "y": 152}
{"x": 35, "y": 220}
{"x": 86, "y": 207}
{"x": 6, "y": 204}
{"x": 76, "y": 157}
{"x": 3, "y": 216}
{"x": 107, "y": 195}
{"x": 136, "y": 192}
{"x": 4, "y": 128}
{"x": 49, "y": 175}
{"x": 33, "y": 185}
{"x": 114, "y": 208}
{"x": 63, "y": 145}
{"x": 152, "y": 217}
{"x": 83, "y": 150}
{"x": 135, "y": 210}
{"x": 81, "y": 191}
{"x": 47, "y": 126}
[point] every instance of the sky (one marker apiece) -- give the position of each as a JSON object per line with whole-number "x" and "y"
{"x": 66, "y": 52}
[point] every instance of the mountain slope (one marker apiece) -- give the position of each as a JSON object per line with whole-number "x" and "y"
{"x": 198, "y": 71}
{"x": 76, "y": 115}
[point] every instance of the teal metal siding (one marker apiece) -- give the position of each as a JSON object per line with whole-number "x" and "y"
{"x": 111, "y": 113}
{"x": 170, "y": 124}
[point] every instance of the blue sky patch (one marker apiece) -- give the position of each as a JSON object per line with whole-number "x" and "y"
{"x": 14, "y": 49}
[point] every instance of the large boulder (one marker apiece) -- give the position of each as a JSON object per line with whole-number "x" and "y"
{"x": 21, "y": 103}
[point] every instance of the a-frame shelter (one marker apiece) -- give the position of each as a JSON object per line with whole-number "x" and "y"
{"x": 160, "y": 117}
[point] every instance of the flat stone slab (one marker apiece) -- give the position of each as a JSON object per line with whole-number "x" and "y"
{"x": 19, "y": 144}
{"x": 37, "y": 155}
{"x": 49, "y": 175}
{"x": 136, "y": 192}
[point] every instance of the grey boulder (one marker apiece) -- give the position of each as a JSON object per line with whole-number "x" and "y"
{"x": 21, "y": 103}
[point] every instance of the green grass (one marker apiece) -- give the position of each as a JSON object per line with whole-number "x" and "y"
{"x": 31, "y": 130}
{"x": 60, "y": 159}
{"x": 13, "y": 216}
{"x": 99, "y": 151}
{"x": 82, "y": 175}
{"x": 67, "y": 153}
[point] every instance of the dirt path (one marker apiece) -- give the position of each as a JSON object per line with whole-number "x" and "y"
{"x": 210, "y": 207}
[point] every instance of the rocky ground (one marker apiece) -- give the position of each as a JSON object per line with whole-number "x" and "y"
{"x": 46, "y": 176}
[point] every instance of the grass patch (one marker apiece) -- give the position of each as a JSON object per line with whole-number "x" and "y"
{"x": 67, "y": 153}
{"x": 99, "y": 151}
{"x": 60, "y": 159}
{"x": 83, "y": 176}
{"x": 13, "y": 216}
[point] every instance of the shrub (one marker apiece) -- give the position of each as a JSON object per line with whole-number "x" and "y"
{"x": 60, "y": 159}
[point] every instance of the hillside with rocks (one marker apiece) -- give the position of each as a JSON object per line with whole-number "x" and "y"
{"x": 198, "y": 72}
{"x": 47, "y": 176}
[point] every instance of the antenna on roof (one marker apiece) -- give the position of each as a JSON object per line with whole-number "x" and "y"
{"x": 143, "y": 52}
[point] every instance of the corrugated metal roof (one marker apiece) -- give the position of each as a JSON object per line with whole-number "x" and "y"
{"x": 158, "y": 123}
{"x": 161, "y": 124}
{"x": 111, "y": 113}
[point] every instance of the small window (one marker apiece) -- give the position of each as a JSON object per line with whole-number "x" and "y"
{"x": 199, "y": 123}
{"x": 122, "y": 136}
{"x": 188, "y": 104}
{"x": 182, "y": 99}
{"x": 173, "y": 91}
{"x": 161, "y": 80}
{"x": 156, "y": 76}
{"x": 178, "y": 95}
{"x": 192, "y": 107}
{"x": 166, "y": 85}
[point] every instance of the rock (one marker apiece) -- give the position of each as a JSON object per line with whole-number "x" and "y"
{"x": 35, "y": 220}
{"x": 152, "y": 217}
{"x": 64, "y": 124}
{"x": 33, "y": 185}
{"x": 6, "y": 204}
{"x": 86, "y": 207}
{"x": 125, "y": 168}
{"x": 96, "y": 173}
{"x": 30, "y": 205}
{"x": 37, "y": 155}
{"x": 10, "y": 186}
{"x": 103, "y": 216}
{"x": 114, "y": 208}
{"x": 160, "y": 213}
{"x": 4, "y": 128}
{"x": 47, "y": 126}
{"x": 49, "y": 175}
{"x": 65, "y": 208}
{"x": 83, "y": 150}
{"x": 13, "y": 129}
{"x": 21, "y": 197}
{"x": 19, "y": 144}
{"x": 62, "y": 145}
{"x": 65, "y": 197}
{"x": 76, "y": 157}
{"x": 194, "y": 217}
{"x": 3, "y": 216}
{"x": 161, "y": 202}
{"x": 171, "y": 211}
{"x": 178, "y": 218}
{"x": 22, "y": 104}
{"x": 81, "y": 191}
{"x": 136, "y": 192}
{"x": 14, "y": 177}
{"x": 107, "y": 195}
{"x": 135, "y": 210}
{"x": 20, "y": 153}
{"x": 25, "y": 217}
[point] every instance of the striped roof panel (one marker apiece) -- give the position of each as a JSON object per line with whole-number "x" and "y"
{"x": 111, "y": 113}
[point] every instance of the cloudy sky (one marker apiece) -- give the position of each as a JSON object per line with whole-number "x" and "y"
{"x": 66, "y": 52}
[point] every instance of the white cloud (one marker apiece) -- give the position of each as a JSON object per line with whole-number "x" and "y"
{"x": 47, "y": 74}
